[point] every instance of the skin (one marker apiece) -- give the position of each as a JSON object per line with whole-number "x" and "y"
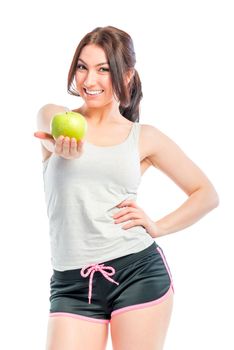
{"x": 144, "y": 328}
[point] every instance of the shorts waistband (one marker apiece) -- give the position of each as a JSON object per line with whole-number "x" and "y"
{"x": 117, "y": 264}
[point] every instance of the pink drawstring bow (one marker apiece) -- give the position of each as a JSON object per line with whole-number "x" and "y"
{"x": 92, "y": 268}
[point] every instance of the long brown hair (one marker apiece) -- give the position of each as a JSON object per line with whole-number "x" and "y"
{"x": 119, "y": 49}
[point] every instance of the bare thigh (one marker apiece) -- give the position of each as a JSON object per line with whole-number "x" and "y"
{"x": 142, "y": 329}
{"x": 68, "y": 333}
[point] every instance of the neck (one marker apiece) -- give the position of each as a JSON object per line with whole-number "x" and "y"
{"x": 101, "y": 116}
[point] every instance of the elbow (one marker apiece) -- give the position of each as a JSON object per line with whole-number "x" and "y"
{"x": 209, "y": 197}
{"x": 216, "y": 201}
{"x": 213, "y": 198}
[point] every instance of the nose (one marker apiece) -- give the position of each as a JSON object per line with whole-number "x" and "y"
{"x": 90, "y": 79}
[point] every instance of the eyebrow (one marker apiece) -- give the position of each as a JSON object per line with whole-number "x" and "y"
{"x": 99, "y": 64}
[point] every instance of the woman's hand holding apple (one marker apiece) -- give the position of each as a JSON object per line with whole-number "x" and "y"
{"x": 63, "y": 146}
{"x": 68, "y": 148}
{"x": 67, "y": 131}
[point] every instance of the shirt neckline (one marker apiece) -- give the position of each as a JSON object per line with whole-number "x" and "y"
{"x": 112, "y": 146}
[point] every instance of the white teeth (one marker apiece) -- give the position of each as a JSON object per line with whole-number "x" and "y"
{"x": 93, "y": 92}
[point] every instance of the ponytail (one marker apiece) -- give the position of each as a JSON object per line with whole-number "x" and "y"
{"x": 131, "y": 111}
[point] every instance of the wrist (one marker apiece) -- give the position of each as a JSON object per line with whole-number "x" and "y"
{"x": 158, "y": 230}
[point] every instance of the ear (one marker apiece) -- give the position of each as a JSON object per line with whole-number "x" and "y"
{"x": 129, "y": 75}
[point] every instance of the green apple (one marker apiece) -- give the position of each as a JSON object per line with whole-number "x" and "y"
{"x": 71, "y": 124}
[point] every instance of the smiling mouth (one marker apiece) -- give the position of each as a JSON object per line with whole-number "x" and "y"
{"x": 93, "y": 92}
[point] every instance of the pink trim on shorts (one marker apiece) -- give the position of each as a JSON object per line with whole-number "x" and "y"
{"x": 85, "y": 318}
{"x": 143, "y": 305}
{"x": 167, "y": 267}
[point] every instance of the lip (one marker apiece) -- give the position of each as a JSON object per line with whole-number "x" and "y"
{"x": 92, "y": 96}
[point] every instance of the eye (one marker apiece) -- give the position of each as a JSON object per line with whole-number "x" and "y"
{"x": 79, "y": 66}
{"x": 82, "y": 67}
{"x": 105, "y": 69}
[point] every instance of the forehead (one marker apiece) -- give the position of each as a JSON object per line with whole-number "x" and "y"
{"x": 93, "y": 54}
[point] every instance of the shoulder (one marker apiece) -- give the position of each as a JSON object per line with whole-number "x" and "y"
{"x": 45, "y": 114}
{"x": 152, "y": 137}
{"x": 150, "y": 130}
{"x": 156, "y": 143}
{"x": 50, "y": 108}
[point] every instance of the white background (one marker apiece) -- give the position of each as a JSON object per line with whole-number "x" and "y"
{"x": 185, "y": 58}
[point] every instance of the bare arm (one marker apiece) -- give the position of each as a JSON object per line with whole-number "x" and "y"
{"x": 166, "y": 155}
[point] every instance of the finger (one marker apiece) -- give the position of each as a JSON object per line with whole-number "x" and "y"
{"x": 73, "y": 147}
{"x": 127, "y": 217}
{"x": 66, "y": 146}
{"x": 127, "y": 202}
{"x": 43, "y": 135}
{"x": 125, "y": 211}
{"x": 80, "y": 145}
{"x": 59, "y": 144}
{"x": 133, "y": 223}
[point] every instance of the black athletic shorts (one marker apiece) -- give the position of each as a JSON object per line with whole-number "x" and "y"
{"x": 97, "y": 292}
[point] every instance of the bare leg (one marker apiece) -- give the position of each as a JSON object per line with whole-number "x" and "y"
{"x": 68, "y": 333}
{"x": 142, "y": 329}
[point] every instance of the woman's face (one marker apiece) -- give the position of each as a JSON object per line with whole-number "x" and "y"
{"x": 93, "y": 78}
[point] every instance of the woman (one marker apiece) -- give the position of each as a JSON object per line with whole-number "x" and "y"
{"x": 107, "y": 266}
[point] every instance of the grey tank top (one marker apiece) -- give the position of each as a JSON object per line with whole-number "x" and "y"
{"x": 81, "y": 196}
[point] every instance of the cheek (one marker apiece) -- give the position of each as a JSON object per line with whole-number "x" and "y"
{"x": 109, "y": 87}
{"x": 78, "y": 78}
{"x": 79, "y": 81}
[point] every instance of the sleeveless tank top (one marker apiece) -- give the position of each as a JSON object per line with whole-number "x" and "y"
{"x": 81, "y": 196}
